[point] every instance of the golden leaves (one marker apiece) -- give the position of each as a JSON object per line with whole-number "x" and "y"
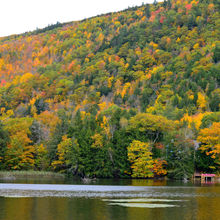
{"x": 201, "y": 102}
{"x": 63, "y": 149}
{"x": 210, "y": 140}
{"x": 26, "y": 77}
{"x": 97, "y": 141}
{"x": 139, "y": 155}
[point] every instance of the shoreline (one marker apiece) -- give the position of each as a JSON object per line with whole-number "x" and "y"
{"x": 31, "y": 174}
{"x": 13, "y": 175}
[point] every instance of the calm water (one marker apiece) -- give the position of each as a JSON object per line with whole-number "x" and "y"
{"x": 108, "y": 199}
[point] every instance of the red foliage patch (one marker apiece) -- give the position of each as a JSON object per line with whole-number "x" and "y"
{"x": 188, "y": 7}
{"x": 3, "y": 82}
{"x": 162, "y": 19}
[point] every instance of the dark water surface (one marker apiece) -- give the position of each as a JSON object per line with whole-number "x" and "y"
{"x": 107, "y": 199}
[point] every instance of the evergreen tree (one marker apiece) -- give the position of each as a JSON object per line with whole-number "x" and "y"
{"x": 4, "y": 139}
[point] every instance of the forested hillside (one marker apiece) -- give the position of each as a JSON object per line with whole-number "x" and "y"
{"x": 128, "y": 94}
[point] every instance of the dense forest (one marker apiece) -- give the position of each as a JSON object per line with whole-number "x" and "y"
{"x": 127, "y": 94}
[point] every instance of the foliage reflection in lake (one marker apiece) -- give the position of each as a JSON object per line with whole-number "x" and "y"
{"x": 149, "y": 200}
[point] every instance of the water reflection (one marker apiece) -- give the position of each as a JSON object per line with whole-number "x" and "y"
{"x": 191, "y": 202}
{"x": 96, "y": 209}
{"x": 127, "y": 182}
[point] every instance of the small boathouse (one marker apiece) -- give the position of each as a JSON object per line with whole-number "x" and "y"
{"x": 204, "y": 177}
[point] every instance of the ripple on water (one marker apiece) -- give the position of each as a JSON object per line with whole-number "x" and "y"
{"x": 90, "y": 191}
{"x": 144, "y": 205}
{"x": 142, "y": 200}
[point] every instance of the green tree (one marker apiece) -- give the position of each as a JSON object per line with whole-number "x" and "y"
{"x": 180, "y": 154}
{"x": 4, "y": 139}
{"x": 216, "y": 53}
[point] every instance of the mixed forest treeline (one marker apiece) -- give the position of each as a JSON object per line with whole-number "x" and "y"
{"x": 127, "y": 94}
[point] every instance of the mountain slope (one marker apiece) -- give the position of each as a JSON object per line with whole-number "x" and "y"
{"x": 96, "y": 75}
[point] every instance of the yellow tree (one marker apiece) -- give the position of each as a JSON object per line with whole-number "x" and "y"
{"x": 210, "y": 141}
{"x": 201, "y": 102}
{"x": 49, "y": 121}
{"x": 140, "y": 156}
{"x": 41, "y": 158}
{"x": 153, "y": 126}
{"x": 63, "y": 149}
{"x": 97, "y": 141}
{"x": 20, "y": 152}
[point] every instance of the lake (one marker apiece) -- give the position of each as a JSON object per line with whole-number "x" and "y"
{"x": 39, "y": 199}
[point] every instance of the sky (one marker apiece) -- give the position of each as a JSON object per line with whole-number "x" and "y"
{"x": 19, "y": 16}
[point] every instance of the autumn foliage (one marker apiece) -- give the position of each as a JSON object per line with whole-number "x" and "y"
{"x": 133, "y": 93}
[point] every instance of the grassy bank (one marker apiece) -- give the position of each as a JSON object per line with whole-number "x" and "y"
{"x": 29, "y": 174}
